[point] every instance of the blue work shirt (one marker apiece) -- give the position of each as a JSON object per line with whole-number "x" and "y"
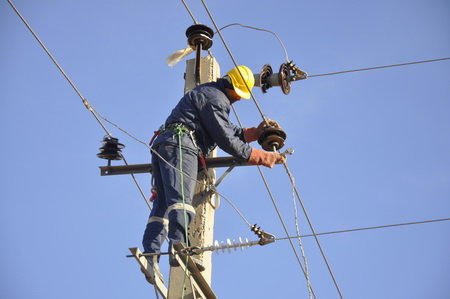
{"x": 206, "y": 110}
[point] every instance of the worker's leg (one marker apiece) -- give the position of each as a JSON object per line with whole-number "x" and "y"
{"x": 156, "y": 229}
{"x": 179, "y": 188}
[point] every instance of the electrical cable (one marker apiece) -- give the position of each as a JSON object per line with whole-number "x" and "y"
{"x": 275, "y": 206}
{"x": 260, "y": 29}
{"x": 189, "y": 11}
{"x": 379, "y": 67}
{"x": 85, "y": 101}
{"x": 137, "y": 184}
{"x": 297, "y": 229}
{"x": 90, "y": 108}
{"x": 263, "y": 116}
{"x": 366, "y": 228}
{"x": 234, "y": 60}
{"x": 283, "y": 224}
{"x": 312, "y": 230}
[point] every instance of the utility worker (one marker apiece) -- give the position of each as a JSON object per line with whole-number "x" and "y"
{"x": 198, "y": 123}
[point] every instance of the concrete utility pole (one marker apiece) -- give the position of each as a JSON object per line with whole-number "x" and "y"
{"x": 201, "y": 230}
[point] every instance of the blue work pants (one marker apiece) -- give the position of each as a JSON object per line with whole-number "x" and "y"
{"x": 171, "y": 207}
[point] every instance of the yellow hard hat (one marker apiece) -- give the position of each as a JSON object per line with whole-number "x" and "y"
{"x": 239, "y": 81}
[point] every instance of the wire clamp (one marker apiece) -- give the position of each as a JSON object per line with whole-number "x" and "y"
{"x": 264, "y": 238}
{"x": 298, "y": 73}
{"x": 288, "y": 151}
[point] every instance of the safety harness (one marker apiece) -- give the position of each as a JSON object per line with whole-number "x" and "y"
{"x": 177, "y": 128}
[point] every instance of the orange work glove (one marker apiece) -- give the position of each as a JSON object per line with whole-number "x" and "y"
{"x": 252, "y": 134}
{"x": 268, "y": 159}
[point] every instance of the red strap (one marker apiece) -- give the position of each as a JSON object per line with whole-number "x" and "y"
{"x": 152, "y": 198}
{"x": 156, "y": 133}
{"x": 202, "y": 161}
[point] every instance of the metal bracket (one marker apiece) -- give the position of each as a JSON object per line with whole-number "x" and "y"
{"x": 264, "y": 238}
{"x": 211, "y": 191}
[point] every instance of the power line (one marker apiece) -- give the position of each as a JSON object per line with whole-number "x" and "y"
{"x": 312, "y": 229}
{"x": 260, "y": 29}
{"x": 257, "y": 105}
{"x": 189, "y": 11}
{"x": 379, "y": 67}
{"x": 366, "y": 228}
{"x": 85, "y": 102}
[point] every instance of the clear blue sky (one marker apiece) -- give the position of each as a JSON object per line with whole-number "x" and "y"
{"x": 371, "y": 148}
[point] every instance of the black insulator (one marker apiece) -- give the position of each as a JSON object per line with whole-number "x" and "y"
{"x": 272, "y": 138}
{"x": 284, "y": 78}
{"x": 200, "y": 34}
{"x": 111, "y": 149}
{"x": 266, "y": 72}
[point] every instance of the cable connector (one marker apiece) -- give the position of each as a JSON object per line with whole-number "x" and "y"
{"x": 298, "y": 73}
{"x": 264, "y": 238}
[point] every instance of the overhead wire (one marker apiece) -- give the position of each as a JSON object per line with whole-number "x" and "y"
{"x": 232, "y": 57}
{"x": 189, "y": 11}
{"x": 341, "y": 72}
{"x": 264, "y": 118}
{"x": 260, "y": 29}
{"x": 95, "y": 113}
{"x": 366, "y": 228}
{"x": 379, "y": 67}
{"x": 262, "y": 114}
{"x": 300, "y": 243}
{"x": 313, "y": 230}
{"x": 84, "y": 100}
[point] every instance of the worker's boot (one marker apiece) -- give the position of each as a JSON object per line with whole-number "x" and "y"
{"x": 153, "y": 270}
{"x": 174, "y": 262}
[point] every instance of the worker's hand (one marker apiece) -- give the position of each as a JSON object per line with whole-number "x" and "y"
{"x": 263, "y": 124}
{"x": 252, "y": 134}
{"x": 268, "y": 159}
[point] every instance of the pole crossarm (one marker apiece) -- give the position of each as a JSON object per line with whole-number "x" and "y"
{"x": 147, "y": 168}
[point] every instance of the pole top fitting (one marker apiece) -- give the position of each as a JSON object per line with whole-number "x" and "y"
{"x": 200, "y": 34}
